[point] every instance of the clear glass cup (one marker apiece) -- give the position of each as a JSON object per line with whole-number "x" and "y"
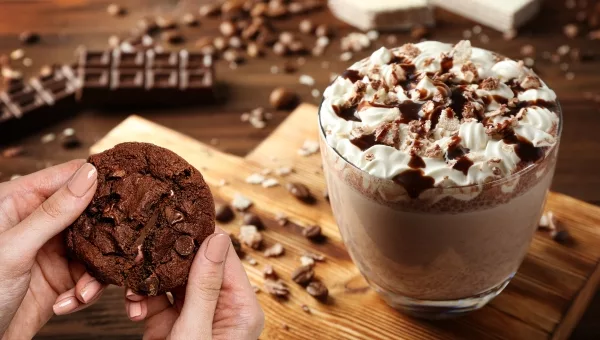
{"x": 448, "y": 252}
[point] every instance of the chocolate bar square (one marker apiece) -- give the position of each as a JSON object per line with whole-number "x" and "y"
{"x": 96, "y": 78}
{"x": 125, "y": 78}
{"x": 24, "y": 103}
{"x": 128, "y": 59}
{"x": 161, "y": 60}
{"x": 162, "y": 79}
{"x": 192, "y": 60}
{"x": 94, "y": 59}
{"x": 195, "y": 79}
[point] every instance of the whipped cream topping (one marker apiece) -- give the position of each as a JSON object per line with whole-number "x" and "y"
{"x": 436, "y": 115}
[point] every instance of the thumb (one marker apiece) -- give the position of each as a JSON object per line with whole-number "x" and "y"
{"x": 52, "y": 216}
{"x": 203, "y": 289}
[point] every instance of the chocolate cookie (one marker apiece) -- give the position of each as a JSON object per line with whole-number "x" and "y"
{"x": 150, "y": 213}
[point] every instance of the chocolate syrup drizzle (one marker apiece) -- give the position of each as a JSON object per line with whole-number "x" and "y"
{"x": 414, "y": 180}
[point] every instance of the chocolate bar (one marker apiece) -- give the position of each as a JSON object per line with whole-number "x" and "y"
{"x": 26, "y": 106}
{"x": 144, "y": 78}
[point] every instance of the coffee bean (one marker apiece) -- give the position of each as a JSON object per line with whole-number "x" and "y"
{"x": 303, "y": 275}
{"x": 223, "y": 213}
{"x": 172, "y": 37}
{"x": 165, "y": 23}
{"x": 323, "y": 31}
{"x": 276, "y": 11}
{"x": 259, "y": 9}
{"x": 312, "y": 232}
{"x": 306, "y": 26}
{"x": 289, "y": 67}
{"x": 297, "y": 47}
{"x": 253, "y": 219}
{"x": 232, "y": 56}
{"x": 280, "y": 49}
{"x": 300, "y": 191}
{"x": 227, "y": 28}
{"x": 269, "y": 273}
{"x": 235, "y": 42}
{"x": 282, "y": 98}
{"x": 147, "y": 25}
{"x": 209, "y": 10}
{"x": 560, "y": 236}
{"x": 70, "y": 142}
{"x": 253, "y": 50}
{"x": 286, "y": 38}
{"x": 266, "y": 37}
{"x": 318, "y": 290}
{"x": 251, "y": 31}
{"x": 189, "y": 19}
{"x": 237, "y": 245}
{"x": 115, "y": 10}
{"x": 231, "y": 7}
{"x": 29, "y": 37}
{"x": 277, "y": 288}
{"x": 220, "y": 43}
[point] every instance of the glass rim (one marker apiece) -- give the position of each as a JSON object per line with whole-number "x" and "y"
{"x": 500, "y": 181}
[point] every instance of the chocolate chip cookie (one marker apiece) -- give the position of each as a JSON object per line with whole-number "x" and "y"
{"x": 150, "y": 213}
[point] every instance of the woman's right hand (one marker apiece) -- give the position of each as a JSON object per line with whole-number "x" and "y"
{"x": 217, "y": 303}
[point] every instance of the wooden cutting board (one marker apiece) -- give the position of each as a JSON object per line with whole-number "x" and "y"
{"x": 544, "y": 301}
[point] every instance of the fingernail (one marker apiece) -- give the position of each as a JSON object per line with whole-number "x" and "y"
{"x": 129, "y": 293}
{"x": 83, "y": 180}
{"x": 217, "y": 247}
{"x": 135, "y": 310}
{"x": 90, "y": 290}
{"x": 65, "y": 305}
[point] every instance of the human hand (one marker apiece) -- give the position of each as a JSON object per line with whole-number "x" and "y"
{"x": 218, "y": 302}
{"x": 35, "y": 276}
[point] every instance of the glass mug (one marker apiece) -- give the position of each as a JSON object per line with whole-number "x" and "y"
{"x": 448, "y": 252}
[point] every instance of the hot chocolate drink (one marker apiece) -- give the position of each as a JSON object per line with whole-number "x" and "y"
{"x": 438, "y": 159}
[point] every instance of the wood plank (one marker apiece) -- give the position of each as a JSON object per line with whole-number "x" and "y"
{"x": 549, "y": 293}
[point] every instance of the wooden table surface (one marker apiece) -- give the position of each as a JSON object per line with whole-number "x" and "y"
{"x": 66, "y": 24}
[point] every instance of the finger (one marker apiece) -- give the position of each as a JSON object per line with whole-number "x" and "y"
{"x": 18, "y": 198}
{"x": 203, "y": 289}
{"x": 88, "y": 288}
{"x": 53, "y": 215}
{"x": 67, "y": 302}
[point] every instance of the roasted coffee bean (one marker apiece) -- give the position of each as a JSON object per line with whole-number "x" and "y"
{"x": 224, "y": 213}
{"x": 280, "y": 49}
{"x": 277, "y": 288}
{"x": 253, "y": 219}
{"x": 115, "y": 10}
{"x": 172, "y": 37}
{"x": 282, "y": 98}
{"x": 299, "y": 190}
{"x": 303, "y": 275}
{"x": 318, "y": 290}
{"x": 322, "y": 31}
{"x": 312, "y": 232}
{"x": 29, "y": 37}
{"x": 209, "y": 10}
{"x": 189, "y": 19}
